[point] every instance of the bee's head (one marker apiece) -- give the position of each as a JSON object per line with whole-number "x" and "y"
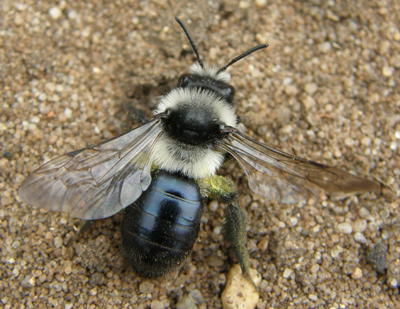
{"x": 194, "y": 115}
{"x": 192, "y": 126}
{"x": 201, "y": 104}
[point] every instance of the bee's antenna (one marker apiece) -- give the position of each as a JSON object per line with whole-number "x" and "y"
{"x": 190, "y": 40}
{"x": 246, "y": 53}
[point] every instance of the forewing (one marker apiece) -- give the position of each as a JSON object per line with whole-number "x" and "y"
{"x": 95, "y": 182}
{"x": 279, "y": 176}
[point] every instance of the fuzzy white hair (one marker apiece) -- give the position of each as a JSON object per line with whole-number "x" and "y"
{"x": 198, "y": 99}
{"x": 191, "y": 160}
{"x": 194, "y": 161}
{"x": 210, "y": 71}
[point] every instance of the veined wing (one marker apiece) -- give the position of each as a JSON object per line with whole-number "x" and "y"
{"x": 283, "y": 177}
{"x": 98, "y": 181}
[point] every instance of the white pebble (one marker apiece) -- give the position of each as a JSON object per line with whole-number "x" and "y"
{"x": 213, "y": 205}
{"x": 35, "y": 119}
{"x": 294, "y": 221}
{"x": 315, "y": 268}
{"x": 336, "y": 251}
{"x": 59, "y": 88}
{"x": 57, "y": 242}
{"x": 385, "y": 234}
{"x": 349, "y": 141}
{"x": 50, "y": 86}
{"x": 244, "y": 5}
{"x": 360, "y": 225}
{"x": 357, "y": 273}
{"x": 55, "y": 12}
{"x": 240, "y": 292}
{"x": 387, "y": 71}
{"x": 397, "y": 134}
{"x": 310, "y": 88}
{"x": 286, "y": 129}
{"x": 217, "y": 230}
{"x": 366, "y": 141}
{"x": 261, "y": 3}
{"x": 287, "y": 272}
{"x": 363, "y": 212}
{"x": 67, "y": 112}
{"x": 372, "y": 226}
{"x": 393, "y": 283}
{"x": 324, "y": 47}
{"x": 42, "y": 97}
{"x": 72, "y": 14}
{"x": 360, "y": 238}
{"x": 313, "y": 297}
{"x": 308, "y": 102}
{"x": 345, "y": 228}
{"x": 287, "y": 81}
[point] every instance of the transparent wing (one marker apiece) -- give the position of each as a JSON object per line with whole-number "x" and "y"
{"x": 279, "y": 176}
{"x": 99, "y": 181}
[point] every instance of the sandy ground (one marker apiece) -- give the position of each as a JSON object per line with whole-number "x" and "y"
{"x": 326, "y": 89}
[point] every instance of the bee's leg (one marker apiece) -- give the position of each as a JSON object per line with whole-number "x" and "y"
{"x": 223, "y": 189}
{"x": 235, "y": 233}
{"x": 134, "y": 115}
{"x": 85, "y": 225}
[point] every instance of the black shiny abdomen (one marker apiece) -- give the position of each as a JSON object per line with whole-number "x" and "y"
{"x": 160, "y": 228}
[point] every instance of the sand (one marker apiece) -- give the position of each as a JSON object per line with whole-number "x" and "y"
{"x": 327, "y": 89}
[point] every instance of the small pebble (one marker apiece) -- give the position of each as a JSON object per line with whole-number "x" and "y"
{"x": 213, "y": 206}
{"x": 313, "y": 297}
{"x": 57, "y": 242}
{"x": 345, "y": 228}
{"x": 156, "y": 304}
{"x": 214, "y": 261}
{"x": 336, "y": 251}
{"x": 325, "y": 47}
{"x": 315, "y": 268}
{"x": 357, "y": 273}
{"x": 244, "y": 5}
{"x": 308, "y": 102}
{"x": 366, "y": 141}
{"x": 310, "y": 88}
{"x": 186, "y": 303}
{"x": 146, "y": 286}
{"x": 393, "y": 274}
{"x": 291, "y": 90}
{"x": 393, "y": 283}
{"x": 67, "y": 113}
{"x": 387, "y": 71}
{"x": 360, "y": 225}
{"x": 261, "y": 3}
{"x": 376, "y": 255}
{"x": 55, "y": 12}
{"x": 360, "y": 238}
{"x": 287, "y": 272}
{"x": 363, "y": 212}
{"x": 239, "y": 292}
{"x": 349, "y": 141}
{"x": 197, "y": 296}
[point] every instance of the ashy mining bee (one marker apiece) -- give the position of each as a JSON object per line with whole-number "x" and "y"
{"x": 161, "y": 171}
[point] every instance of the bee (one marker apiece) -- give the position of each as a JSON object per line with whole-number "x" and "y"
{"x": 161, "y": 171}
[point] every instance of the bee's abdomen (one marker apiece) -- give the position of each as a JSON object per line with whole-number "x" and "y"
{"x": 160, "y": 228}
